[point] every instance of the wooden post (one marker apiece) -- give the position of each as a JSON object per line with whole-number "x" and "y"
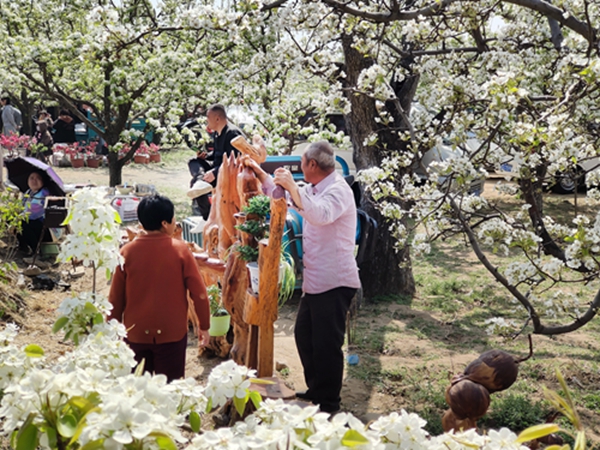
{"x": 262, "y": 311}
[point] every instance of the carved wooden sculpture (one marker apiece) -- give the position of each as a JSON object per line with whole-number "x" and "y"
{"x": 252, "y": 316}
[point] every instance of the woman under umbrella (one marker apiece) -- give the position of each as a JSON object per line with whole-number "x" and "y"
{"x": 33, "y": 201}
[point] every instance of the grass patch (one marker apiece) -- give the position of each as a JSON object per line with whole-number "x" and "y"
{"x": 515, "y": 412}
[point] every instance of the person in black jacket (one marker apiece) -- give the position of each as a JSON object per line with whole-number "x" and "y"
{"x": 216, "y": 118}
{"x": 64, "y": 128}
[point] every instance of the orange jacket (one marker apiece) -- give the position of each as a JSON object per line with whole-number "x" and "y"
{"x": 149, "y": 293}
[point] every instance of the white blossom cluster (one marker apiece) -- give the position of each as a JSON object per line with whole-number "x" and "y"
{"x": 228, "y": 380}
{"x": 93, "y": 221}
{"x": 14, "y": 362}
{"x": 103, "y": 349}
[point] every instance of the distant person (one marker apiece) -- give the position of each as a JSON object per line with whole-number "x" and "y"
{"x": 149, "y": 292}
{"x": 11, "y": 117}
{"x": 198, "y": 167}
{"x": 64, "y": 128}
{"x": 33, "y": 200}
{"x": 42, "y": 133}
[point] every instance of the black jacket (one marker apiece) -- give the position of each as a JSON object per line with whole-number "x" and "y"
{"x": 223, "y": 145}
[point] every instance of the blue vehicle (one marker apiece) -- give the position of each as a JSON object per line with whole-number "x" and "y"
{"x": 366, "y": 226}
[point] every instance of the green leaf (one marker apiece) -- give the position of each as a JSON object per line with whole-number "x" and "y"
{"x": 82, "y": 404}
{"x": 580, "y": 442}
{"x": 195, "y": 421}
{"x": 67, "y": 425}
{"x": 163, "y": 440}
{"x": 240, "y": 404}
{"x": 537, "y": 431}
{"x": 256, "y": 398}
{"x": 353, "y": 438}
{"x": 59, "y": 324}
{"x": 166, "y": 443}
{"x": 260, "y": 381}
{"x": 51, "y": 433}
{"x": 98, "y": 319}
{"x": 34, "y": 351}
{"x": 98, "y": 444}
{"x": 89, "y": 308}
{"x": 139, "y": 370}
{"x": 27, "y": 438}
{"x": 209, "y": 405}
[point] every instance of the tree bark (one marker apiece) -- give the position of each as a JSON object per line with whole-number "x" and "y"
{"x": 389, "y": 271}
{"x": 115, "y": 167}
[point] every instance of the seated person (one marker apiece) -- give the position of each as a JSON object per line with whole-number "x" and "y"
{"x": 150, "y": 294}
{"x": 33, "y": 201}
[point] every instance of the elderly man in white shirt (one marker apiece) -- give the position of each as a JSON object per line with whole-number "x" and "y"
{"x": 330, "y": 271}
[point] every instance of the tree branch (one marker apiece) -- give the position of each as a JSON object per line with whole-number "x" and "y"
{"x": 394, "y": 15}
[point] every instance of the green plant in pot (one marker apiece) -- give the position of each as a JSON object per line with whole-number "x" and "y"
{"x": 220, "y": 320}
{"x": 256, "y": 225}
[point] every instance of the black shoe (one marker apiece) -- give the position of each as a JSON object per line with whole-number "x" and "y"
{"x": 304, "y": 395}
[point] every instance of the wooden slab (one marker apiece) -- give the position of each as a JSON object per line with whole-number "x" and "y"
{"x": 273, "y": 391}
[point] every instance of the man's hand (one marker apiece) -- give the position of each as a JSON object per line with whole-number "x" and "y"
{"x": 209, "y": 176}
{"x": 249, "y": 162}
{"x": 203, "y": 338}
{"x": 284, "y": 178}
{"x": 201, "y": 154}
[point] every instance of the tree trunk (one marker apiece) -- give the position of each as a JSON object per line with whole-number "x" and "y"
{"x": 115, "y": 168}
{"x": 388, "y": 271}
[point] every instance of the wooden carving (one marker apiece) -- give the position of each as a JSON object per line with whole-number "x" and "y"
{"x": 257, "y": 150}
{"x": 252, "y": 316}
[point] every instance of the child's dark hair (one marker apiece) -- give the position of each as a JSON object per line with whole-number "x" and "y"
{"x": 153, "y": 209}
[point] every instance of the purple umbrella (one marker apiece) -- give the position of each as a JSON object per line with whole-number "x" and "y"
{"x": 21, "y": 167}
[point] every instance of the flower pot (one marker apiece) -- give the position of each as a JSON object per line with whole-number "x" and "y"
{"x": 219, "y": 326}
{"x": 140, "y": 159}
{"x": 76, "y": 163}
{"x": 93, "y": 163}
{"x": 254, "y": 274}
{"x": 155, "y": 157}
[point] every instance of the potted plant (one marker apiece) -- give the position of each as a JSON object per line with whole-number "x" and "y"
{"x": 76, "y": 157}
{"x": 220, "y": 319}
{"x": 153, "y": 151}
{"x": 141, "y": 155}
{"x": 257, "y": 227}
{"x": 92, "y": 160}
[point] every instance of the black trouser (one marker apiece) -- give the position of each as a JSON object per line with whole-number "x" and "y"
{"x": 30, "y": 234}
{"x": 167, "y": 359}
{"x": 319, "y": 333}
{"x": 197, "y": 167}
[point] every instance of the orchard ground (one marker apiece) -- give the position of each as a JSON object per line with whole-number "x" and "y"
{"x": 408, "y": 349}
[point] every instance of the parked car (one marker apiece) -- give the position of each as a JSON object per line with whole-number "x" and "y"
{"x": 442, "y": 153}
{"x": 562, "y": 182}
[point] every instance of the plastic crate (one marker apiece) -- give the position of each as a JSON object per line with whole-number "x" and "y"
{"x": 192, "y": 223}
{"x": 126, "y": 206}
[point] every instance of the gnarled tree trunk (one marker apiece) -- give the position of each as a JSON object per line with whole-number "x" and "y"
{"x": 389, "y": 271}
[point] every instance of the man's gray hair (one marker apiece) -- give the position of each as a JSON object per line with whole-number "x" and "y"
{"x": 321, "y": 152}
